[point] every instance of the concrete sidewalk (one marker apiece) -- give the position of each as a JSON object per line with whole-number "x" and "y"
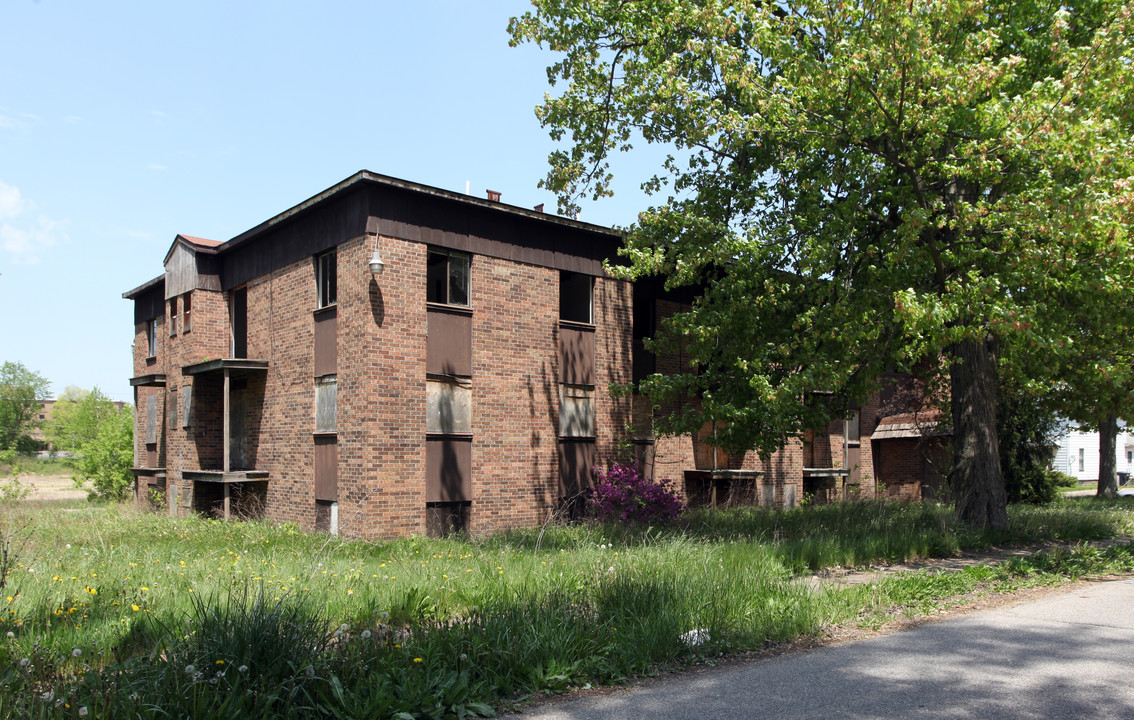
{"x": 1064, "y": 656}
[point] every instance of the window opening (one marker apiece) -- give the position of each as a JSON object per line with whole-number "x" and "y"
{"x": 186, "y": 309}
{"x": 172, "y": 316}
{"x": 576, "y": 297}
{"x": 447, "y": 277}
{"x": 1082, "y": 460}
{"x": 151, "y": 338}
{"x": 326, "y": 278}
{"x": 240, "y": 323}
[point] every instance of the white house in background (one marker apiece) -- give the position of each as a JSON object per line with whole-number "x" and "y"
{"x": 1078, "y": 453}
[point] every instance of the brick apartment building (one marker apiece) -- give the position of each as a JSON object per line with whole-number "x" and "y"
{"x": 461, "y": 379}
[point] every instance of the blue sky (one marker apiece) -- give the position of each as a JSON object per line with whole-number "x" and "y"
{"x": 125, "y": 123}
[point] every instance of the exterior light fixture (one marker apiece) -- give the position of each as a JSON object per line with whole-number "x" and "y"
{"x": 376, "y": 264}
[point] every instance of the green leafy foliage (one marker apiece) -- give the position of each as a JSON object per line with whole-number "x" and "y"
{"x": 21, "y": 392}
{"x": 1028, "y": 429}
{"x": 855, "y": 186}
{"x": 76, "y": 417}
{"x": 106, "y": 458}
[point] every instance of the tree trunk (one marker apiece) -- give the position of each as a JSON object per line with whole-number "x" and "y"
{"x": 978, "y": 485}
{"x": 1108, "y": 476}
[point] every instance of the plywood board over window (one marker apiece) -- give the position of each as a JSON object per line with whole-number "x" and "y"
{"x": 151, "y": 420}
{"x": 576, "y": 410}
{"x": 448, "y": 405}
{"x": 186, "y": 405}
{"x": 326, "y": 404}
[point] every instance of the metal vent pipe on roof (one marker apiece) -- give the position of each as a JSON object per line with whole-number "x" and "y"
{"x": 493, "y": 195}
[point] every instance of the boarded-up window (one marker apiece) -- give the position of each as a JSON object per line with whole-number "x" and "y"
{"x": 448, "y": 405}
{"x": 576, "y": 458}
{"x": 327, "y": 468}
{"x": 326, "y": 341}
{"x": 326, "y": 404}
{"x": 448, "y": 469}
{"x": 186, "y": 405}
{"x": 852, "y": 431}
{"x": 171, "y": 409}
{"x": 575, "y": 297}
{"x": 576, "y": 410}
{"x": 577, "y": 355}
{"x": 151, "y": 419}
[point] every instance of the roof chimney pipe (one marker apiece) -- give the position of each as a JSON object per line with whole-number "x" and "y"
{"x": 539, "y": 208}
{"x": 493, "y": 195}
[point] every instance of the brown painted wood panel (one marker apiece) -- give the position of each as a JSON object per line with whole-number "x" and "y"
{"x": 448, "y": 469}
{"x": 150, "y": 304}
{"x": 327, "y": 468}
{"x": 577, "y": 355}
{"x": 576, "y": 458}
{"x": 326, "y": 341}
{"x": 448, "y": 345}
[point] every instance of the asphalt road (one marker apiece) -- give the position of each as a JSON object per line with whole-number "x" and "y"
{"x": 1064, "y": 656}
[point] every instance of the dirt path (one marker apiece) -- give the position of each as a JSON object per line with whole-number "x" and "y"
{"x": 51, "y": 487}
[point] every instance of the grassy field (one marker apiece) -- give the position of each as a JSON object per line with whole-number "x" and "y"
{"x": 117, "y": 613}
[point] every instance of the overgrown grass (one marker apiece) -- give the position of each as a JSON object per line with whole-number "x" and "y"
{"x": 30, "y": 465}
{"x": 272, "y": 622}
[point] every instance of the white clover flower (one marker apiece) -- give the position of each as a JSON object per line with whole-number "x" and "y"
{"x": 190, "y": 669}
{"x": 83, "y": 711}
{"x": 242, "y": 669}
{"x": 344, "y": 627}
{"x": 76, "y": 652}
{"x": 11, "y": 634}
{"x": 464, "y": 657}
{"x": 68, "y": 546}
{"x": 365, "y": 634}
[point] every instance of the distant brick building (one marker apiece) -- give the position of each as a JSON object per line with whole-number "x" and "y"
{"x": 466, "y": 386}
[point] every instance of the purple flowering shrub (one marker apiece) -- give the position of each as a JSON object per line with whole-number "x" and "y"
{"x": 623, "y": 495}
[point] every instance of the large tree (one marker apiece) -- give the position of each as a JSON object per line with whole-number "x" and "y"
{"x": 856, "y": 185}
{"x": 22, "y": 392}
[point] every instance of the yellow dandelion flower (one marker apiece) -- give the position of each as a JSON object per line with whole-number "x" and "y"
{"x": 135, "y": 608}
{"x": 417, "y": 659}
